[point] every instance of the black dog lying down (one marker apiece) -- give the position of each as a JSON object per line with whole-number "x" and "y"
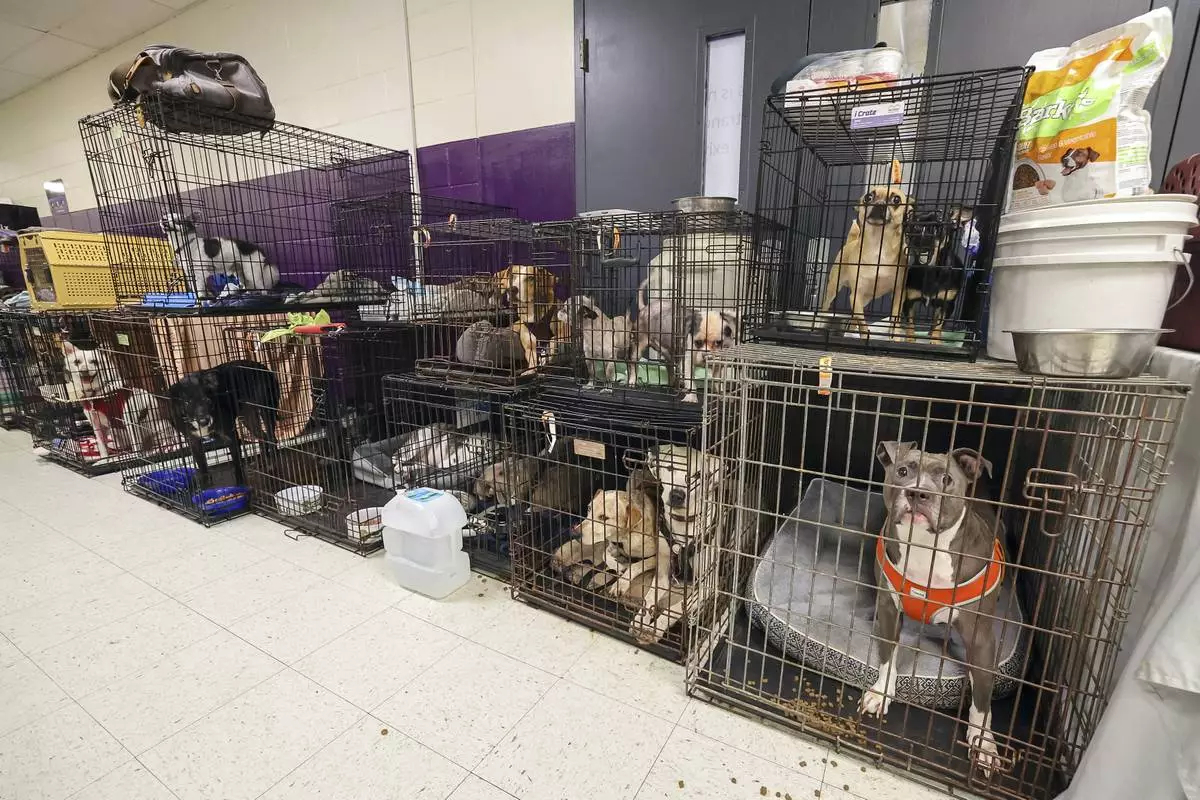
{"x": 211, "y": 401}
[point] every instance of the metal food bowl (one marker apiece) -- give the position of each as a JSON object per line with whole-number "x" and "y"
{"x": 1082, "y": 353}
{"x": 701, "y": 203}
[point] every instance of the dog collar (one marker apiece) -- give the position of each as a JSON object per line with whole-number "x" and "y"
{"x": 923, "y": 603}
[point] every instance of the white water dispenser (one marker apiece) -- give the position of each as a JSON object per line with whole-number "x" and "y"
{"x": 422, "y": 533}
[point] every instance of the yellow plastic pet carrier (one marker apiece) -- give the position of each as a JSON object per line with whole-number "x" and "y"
{"x": 73, "y": 270}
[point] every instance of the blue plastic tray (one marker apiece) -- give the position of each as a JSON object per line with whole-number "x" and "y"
{"x": 168, "y": 481}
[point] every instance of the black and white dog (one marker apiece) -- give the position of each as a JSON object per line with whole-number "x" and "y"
{"x": 202, "y": 257}
{"x": 209, "y": 403}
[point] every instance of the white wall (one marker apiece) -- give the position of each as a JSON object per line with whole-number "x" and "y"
{"x": 336, "y": 65}
{"x": 490, "y": 66}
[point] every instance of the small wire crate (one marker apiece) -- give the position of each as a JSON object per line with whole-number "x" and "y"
{"x": 452, "y": 437}
{"x": 331, "y": 478}
{"x": 64, "y": 388}
{"x": 890, "y": 195}
{"x": 612, "y": 513}
{"x": 490, "y": 303}
{"x": 252, "y": 217}
{"x": 940, "y": 565}
{"x": 209, "y": 401}
{"x": 18, "y": 370}
{"x": 654, "y": 293}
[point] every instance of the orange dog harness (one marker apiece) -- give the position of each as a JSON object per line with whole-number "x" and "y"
{"x": 924, "y": 603}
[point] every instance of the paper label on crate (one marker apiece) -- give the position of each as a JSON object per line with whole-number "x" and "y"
{"x": 877, "y": 115}
{"x": 123, "y": 339}
{"x": 589, "y": 449}
{"x": 824, "y": 374}
{"x": 422, "y": 495}
{"x": 116, "y": 131}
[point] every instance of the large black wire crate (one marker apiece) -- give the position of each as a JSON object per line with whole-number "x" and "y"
{"x": 452, "y": 437}
{"x": 256, "y": 219}
{"x": 654, "y": 293}
{"x": 213, "y": 398}
{"x": 890, "y": 195}
{"x": 18, "y": 382}
{"x": 332, "y": 478}
{"x": 613, "y": 513}
{"x": 945, "y": 564}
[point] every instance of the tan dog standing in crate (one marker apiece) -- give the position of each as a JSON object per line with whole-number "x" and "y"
{"x": 872, "y": 262}
{"x": 939, "y": 560}
{"x": 530, "y": 292}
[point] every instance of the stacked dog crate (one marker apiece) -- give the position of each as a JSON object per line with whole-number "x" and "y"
{"x": 927, "y": 561}
{"x": 240, "y": 375}
{"x": 611, "y": 480}
{"x": 484, "y": 309}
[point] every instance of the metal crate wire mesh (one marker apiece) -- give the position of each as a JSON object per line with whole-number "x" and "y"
{"x": 152, "y": 353}
{"x": 891, "y": 197}
{"x": 1075, "y": 468}
{"x": 653, "y": 293}
{"x": 332, "y": 475}
{"x": 451, "y": 436}
{"x": 491, "y": 303}
{"x": 271, "y": 208}
{"x": 611, "y": 513}
{"x": 20, "y": 376}
{"x": 65, "y": 386}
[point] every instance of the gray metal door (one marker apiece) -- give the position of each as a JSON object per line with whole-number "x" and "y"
{"x": 640, "y": 102}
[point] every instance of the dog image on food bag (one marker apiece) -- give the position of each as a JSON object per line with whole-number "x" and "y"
{"x": 1082, "y": 124}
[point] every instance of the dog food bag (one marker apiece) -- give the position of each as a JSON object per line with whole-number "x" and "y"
{"x": 1083, "y": 133}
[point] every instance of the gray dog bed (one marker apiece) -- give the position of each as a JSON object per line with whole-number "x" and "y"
{"x": 813, "y": 593}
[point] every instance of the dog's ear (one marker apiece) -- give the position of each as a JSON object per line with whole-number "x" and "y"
{"x": 633, "y": 515}
{"x": 209, "y": 381}
{"x": 587, "y": 311}
{"x": 897, "y": 173}
{"x": 971, "y": 462}
{"x": 68, "y": 348}
{"x": 696, "y": 323}
{"x": 730, "y": 320}
{"x": 1092, "y": 155}
{"x": 889, "y": 453}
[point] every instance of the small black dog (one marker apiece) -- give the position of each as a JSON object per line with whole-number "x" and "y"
{"x": 936, "y": 274}
{"x": 211, "y": 401}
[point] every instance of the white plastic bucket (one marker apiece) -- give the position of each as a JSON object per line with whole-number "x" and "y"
{"x": 1175, "y": 207}
{"x": 1113, "y": 243}
{"x": 1078, "y": 290}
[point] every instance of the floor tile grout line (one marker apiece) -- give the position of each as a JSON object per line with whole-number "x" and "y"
{"x": 512, "y": 728}
{"x": 133, "y": 756}
{"x": 316, "y": 752}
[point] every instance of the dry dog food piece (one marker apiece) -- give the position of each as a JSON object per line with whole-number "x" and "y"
{"x": 1083, "y": 118}
{"x": 1024, "y": 176}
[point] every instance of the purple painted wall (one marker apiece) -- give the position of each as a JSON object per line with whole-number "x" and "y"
{"x": 532, "y": 170}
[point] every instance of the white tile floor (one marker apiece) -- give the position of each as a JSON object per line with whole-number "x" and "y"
{"x": 143, "y": 657}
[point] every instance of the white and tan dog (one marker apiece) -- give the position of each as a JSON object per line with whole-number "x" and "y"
{"x": 122, "y": 418}
{"x": 620, "y": 533}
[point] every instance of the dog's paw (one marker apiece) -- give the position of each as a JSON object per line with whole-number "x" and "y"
{"x": 984, "y": 752}
{"x": 874, "y": 703}
{"x": 691, "y": 397}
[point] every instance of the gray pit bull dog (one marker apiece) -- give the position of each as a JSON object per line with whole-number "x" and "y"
{"x": 938, "y": 561}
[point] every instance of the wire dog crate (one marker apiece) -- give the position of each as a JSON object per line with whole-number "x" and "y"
{"x": 613, "y": 512}
{"x": 209, "y": 396}
{"x": 18, "y": 380}
{"x": 496, "y": 321}
{"x": 1004, "y": 517}
{"x": 654, "y": 292}
{"x": 892, "y": 192}
{"x": 64, "y": 386}
{"x": 333, "y": 476}
{"x": 254, "y": 218}
{"x": 452, "y": 436}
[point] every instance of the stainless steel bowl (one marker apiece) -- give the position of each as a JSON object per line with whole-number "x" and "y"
{"x": 1081, "y": 353}
{"x": 699, "y": 202}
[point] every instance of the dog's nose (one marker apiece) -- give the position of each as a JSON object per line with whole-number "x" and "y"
{"x": 676, "y": 498}
{"x": 916, "y": 494}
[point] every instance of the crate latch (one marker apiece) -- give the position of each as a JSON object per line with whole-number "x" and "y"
{"x": 1056, "y": 493}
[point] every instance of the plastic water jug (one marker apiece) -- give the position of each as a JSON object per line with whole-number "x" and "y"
{"x": 422, "y": 533}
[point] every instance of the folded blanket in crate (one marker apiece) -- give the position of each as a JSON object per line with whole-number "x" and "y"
{"x": 814, "y": 595}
